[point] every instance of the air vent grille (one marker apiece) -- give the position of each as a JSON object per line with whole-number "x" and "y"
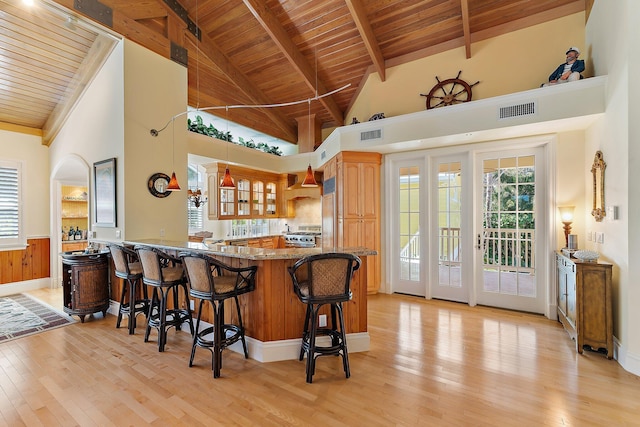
{"x": 519, "y": 110}
{"x": 371, "y": 134}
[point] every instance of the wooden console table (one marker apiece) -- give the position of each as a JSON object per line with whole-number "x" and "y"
{"x": 584, "y": 303}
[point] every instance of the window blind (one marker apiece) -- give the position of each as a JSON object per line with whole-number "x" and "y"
{"x": 9, "y": 203}
{"x": 195, "y": 216}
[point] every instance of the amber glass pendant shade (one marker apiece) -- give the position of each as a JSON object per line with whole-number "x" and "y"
{"x": 173, "y": 183}
{"x": 227, "y": 181}
{"x": 309, "y": 180}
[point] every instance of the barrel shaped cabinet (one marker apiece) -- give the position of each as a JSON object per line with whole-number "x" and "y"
{"x": 85, "y": 283}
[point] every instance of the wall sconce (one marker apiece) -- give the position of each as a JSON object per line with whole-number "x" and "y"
{"x": 566, "y": 215}
{"x": 196, "y": 197}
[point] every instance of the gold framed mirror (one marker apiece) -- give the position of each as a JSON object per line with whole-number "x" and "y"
{"x": 597, "y": 169}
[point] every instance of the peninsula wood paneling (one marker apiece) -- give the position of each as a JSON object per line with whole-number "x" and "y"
{"x": 27, "y": 264}
{"x": 273, "y": 312}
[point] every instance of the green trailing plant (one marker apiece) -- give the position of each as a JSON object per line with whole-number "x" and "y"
{"x": 198, "y": 126}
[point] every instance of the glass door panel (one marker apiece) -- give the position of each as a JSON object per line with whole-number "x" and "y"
{"x": 257, "y": 203}
{"x": 449, "y": 283}
{"x": 408, "y": 241}
{"x": 507, "y": 239}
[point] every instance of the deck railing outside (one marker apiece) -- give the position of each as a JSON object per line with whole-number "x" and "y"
{"x": 504, "y": 247}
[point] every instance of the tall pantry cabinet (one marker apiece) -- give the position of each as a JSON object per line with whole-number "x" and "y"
{"x": 351, "y": 206}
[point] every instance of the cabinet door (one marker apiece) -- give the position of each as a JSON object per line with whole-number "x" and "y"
{"x": 227, "y": 202}
{"x": 368, "y": 239}
{"x": 351, "y": 231}
{"x": 562, "y": 270}
{"x": 369, "y": 187}
{"x": 328, "y": 220}
{"x": 562, "y": 289}
{"x": 571, "y": 293}
{"x": 271, "y": 196}
{"x": 352, "y": 197}
{"x": 257, "y": 199}
{"x": 90, "y": 286}
{"x": 243, "y": 186}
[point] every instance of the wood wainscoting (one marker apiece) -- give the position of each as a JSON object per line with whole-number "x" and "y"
{"x": 34, "y": 262}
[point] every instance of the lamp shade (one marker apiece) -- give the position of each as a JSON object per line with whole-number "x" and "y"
{"x": 566, "y": 213}
{"x": 309, "y": 180}
{"x": 173, "y": 183}
{"x": 227, "y": 181}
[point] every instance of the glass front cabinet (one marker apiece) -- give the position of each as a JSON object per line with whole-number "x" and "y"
{"x": 256, "y": 194}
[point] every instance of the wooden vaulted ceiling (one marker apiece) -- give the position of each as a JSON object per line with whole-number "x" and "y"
{"x": 255, "y": 51}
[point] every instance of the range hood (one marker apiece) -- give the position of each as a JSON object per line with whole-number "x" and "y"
{"x": 295, "y": 190}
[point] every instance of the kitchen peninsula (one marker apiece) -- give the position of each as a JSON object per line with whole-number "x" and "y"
{"x": 272, "y": 314}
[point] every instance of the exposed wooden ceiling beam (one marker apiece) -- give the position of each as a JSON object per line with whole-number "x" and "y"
{"x": 209, "y": 49}
{"x": 212, "y": 52}
{"x": 280, "y": 37}
{"x": 366, "y": 32}
{"x": 161, "y": 45}
{"x": 465, "y": 27}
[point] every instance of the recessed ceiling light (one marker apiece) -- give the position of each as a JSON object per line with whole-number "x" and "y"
{"x": 28, "y": 2}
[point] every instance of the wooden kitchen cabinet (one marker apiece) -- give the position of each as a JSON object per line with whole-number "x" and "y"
{"x": 351, "y": 207}
{"x": 584, "y": 303}
{"x": 258, "y": 194}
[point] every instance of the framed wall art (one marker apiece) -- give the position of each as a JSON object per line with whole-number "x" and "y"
{"x": 104, "y": 180}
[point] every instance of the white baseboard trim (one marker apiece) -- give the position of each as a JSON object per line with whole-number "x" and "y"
{"x": 27, "y": 285}
{"x": 629, "y": 361}
{"x": 275, "y": 351}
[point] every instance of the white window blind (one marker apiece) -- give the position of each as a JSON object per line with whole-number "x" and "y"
{"x": 11, "y": 233}
{"x": 195, "y": 214}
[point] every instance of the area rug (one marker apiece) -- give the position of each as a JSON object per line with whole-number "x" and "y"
{"x": 22, "y": 315}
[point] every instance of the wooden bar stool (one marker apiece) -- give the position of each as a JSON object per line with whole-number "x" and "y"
{"x": 319, "y": 280}
{"x": 165, "y": 275}
{"x": 212, "y": 280}
{"x": 129, "y": 269}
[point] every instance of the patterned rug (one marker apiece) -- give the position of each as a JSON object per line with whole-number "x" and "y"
{"x": 22, "y": 315}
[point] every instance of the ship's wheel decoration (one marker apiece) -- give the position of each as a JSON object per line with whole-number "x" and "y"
{"x": 449, "y": 92}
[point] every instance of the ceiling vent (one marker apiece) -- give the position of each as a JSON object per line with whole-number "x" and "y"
{"x": 371, "y": 134}
{"x": 518, "y": 110}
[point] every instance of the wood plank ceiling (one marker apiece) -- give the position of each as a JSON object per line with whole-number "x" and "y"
{"x": 252, "y": 51}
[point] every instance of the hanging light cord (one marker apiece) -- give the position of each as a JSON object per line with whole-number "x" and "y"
{"x": 155, "y": 132}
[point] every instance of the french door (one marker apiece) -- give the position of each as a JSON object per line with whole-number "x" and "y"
{"x": 510, "y": 199}
{"x": 472, "y": 229}
{"x": 408, "y": 272}
{"x": 449, "y": 212}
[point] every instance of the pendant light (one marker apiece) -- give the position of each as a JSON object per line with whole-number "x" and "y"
{"x": 227, "y": 181}
{"x": 173, "y": 182}
{"x": 309, "y": 180}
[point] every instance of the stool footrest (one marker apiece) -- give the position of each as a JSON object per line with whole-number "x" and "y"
{"x": 333, "y": 349}
{"x": 231, "y": 334}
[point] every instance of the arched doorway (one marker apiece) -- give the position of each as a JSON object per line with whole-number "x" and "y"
{"x": 72, "y": 171}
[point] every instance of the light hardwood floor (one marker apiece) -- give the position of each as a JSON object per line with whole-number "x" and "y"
{"x": 430, "y": 363}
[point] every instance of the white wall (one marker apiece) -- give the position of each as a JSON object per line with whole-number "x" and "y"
{"x": 610, "y": 29}
{"x": 94, "y": 130}
{"x": 35, "y": 192}
{"x": 514, "y": 62}
{"x": 155, "y": 90}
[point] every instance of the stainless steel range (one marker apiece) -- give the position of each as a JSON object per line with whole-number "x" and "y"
{"x": 306, "y": 237}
